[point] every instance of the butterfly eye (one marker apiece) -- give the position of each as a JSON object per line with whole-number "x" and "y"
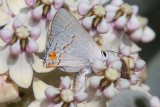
{"x": 52, "y": 55}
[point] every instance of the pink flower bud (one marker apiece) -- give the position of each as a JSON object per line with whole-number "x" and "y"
{"x": 30, "y": 3}
{"x": 111, "y": 58}
{"x": 58, "y": 3}
{"x": 80, "y": 97}
{"x": 35, "y": 33}
{"x": 102, "y": 27}
{"x": 121, "y": 22}
{"x": 51, "y": 92}
{"x": 94, "y": 82}
{"x": 133, "y": 23}
{"x": 6, "y": 35}
{"x": 109, "y": 92}
{"x": 139, "y": 65}
{"x": 87, "y": 22}
{"x": 116, "y": 65}
{"x": 135, "y": 9}
{"x": 122, "y": 84}
{"x": 98, "y": 66}
{"x": 17, "y": 23}
{"x": 136, "y": 35}
{"x": 148, "y": 35}
{"x": 133, "y": 79}
{"x": 110, "y": 16}
{"x": 125, "y": 51}
{"x": 111, "y": 8}
{"x": 32, "y": 46}
{"x": 83, "y": 7}
{"x": 65, "y": 82}
{"x": 155, "y": 102}
{"x": 37, "y": 12}
{"x": 94, "y": 2}
{"x": 117, "y": 2}
{"x": 16, "y": 48}
{"x": 51, "y": 13}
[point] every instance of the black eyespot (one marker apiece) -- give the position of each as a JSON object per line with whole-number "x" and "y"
{"x": 104, "y": 53}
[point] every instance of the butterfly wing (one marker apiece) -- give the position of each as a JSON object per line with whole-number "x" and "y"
{"x": 71, "y": 46}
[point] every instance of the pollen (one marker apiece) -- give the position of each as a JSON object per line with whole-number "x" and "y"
{"x": 52, "y": 55}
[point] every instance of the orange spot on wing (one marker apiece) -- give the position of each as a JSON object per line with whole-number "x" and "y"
{"x": 52, "y": 55}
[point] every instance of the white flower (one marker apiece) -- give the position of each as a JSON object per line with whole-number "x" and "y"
{"x": 49, "y": 95}
{"x": 18, "y": 53}
{"x": 123, "y": 15}
{"x": 93, "y": 14}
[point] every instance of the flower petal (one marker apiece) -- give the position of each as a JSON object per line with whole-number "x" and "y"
{"x": 116, "y": 65}
{"x": 80, "y": 97}
{"x": 30, "y": 2}
{"x": 102, "y": 27}
{"x": 16, "y": 48}
{"x": 65, "y": 82}
{"x": 117, "y": 2}
{"x": 43, "y": 37}
{"x": 51, "y": 13}
{"x": 94, "y": 2}
{"x": 4, "y": 53}
{"x": 15, "y": 6}
{"x": 133, "y": 79}
{"x": 83, "y": 7}
{"x": 125, "y": 51}
{"x": 17, "y": 23}
{"x": 95, "y": 81}
{"x": 37, "y": 12}
{"x": 148, "y": 35}
{"x": 5, "y": 18}
{"x": 139, "y": 65}
{"x": 21, "y": 71}
{"x": 6, "y": 35}
{"x": 133, "y": 23}
{"x": 35, "y": 33}
{"x": 38, "y": 65}
{"x": 51, "y": 92}
{"x": 122, "y": 84}
{"x": 58, "y": 3}
{"x": 109, "y": 92}
{"x": 87, "y": 22}
{"x": 110, "y": 16}
{"x": 39, "y": 88}
{"x": 121, "y": 22}
{"x": 32, "y": 46}
{"x": 136, "y": 35}
{"x": 111, "y": 58}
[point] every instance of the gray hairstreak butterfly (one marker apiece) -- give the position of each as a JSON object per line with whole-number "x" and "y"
{"x": 70, "y": 46}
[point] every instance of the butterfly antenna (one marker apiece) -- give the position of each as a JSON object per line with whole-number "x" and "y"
{"x": 118, "y": 53}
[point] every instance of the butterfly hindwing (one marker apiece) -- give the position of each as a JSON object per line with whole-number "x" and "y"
{"x": 72, "y": 44}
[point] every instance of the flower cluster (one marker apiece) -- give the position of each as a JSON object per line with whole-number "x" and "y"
{"x": 114, "y": 25}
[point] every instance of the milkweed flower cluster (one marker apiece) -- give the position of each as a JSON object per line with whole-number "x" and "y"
{"x": 114, "y": 25}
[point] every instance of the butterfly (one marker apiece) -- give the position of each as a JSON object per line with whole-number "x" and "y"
{"x": 70, "y": 46}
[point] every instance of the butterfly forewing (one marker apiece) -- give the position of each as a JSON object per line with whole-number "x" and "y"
{"x": 72, "y": 44}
